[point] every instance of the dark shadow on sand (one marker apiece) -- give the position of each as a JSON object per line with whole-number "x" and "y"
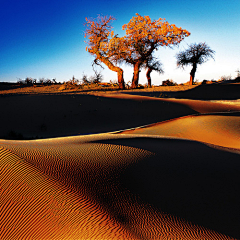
{"x": 187, "y": 179}
{"x": 201, "y": 92}
{"x": 48, "y": 116}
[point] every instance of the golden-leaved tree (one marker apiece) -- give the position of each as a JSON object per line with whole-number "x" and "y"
{"x": 143, "y": 37}
{"x": 104, "y": 45}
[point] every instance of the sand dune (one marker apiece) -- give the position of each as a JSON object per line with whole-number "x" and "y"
{"x": 36, "y": 206}
{"x": 220, "y": 91}
{"x": 105, "y": 187}
{"x": 164, "y": 181}
{"x": 48, "y": 116}
{"x": 212, "y": 92}
{"x": 222, "y": 130}
{"x": 199, "y": 106}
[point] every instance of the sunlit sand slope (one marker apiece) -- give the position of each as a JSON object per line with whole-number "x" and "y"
{"x": 110, "y": 186}
{"x": 179, "y": 104}
{"x": 37, "y": 206}
{"x": 219, "y": 129}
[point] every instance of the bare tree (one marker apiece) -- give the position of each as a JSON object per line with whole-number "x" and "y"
{"x": 152, "y": 64}
{"x": 97, "y": 77}
{"x": 85, "y": 79}
{"x": 194, "y": 55}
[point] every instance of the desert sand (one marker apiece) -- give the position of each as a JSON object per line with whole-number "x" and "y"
{"x": 119, "y": 165}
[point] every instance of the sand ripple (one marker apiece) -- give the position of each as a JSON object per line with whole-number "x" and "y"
{"x": 163, "y": 181}
{"x": 94, "y": 187}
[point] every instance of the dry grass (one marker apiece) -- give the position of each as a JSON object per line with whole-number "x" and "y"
{"x": 91, "y": 88}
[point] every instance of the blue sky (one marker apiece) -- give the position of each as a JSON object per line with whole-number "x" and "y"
{"x": 43, "y": 38}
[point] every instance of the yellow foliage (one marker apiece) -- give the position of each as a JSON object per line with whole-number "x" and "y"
{"x": 143, "y": 36}
{"x": 157, "y": 32}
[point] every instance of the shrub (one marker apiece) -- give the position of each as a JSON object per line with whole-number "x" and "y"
{"x": 226, "y": 78}
{"x": 47, "y": 81}
{"x": 85, "y": 79}
{"x": 26, "y": 81}
{"x": 72, "y": 81}
{"x": 97, "y": 77}
{"x": 169, "y": 83}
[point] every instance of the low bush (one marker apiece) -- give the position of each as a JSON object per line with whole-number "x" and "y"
{"x": 169, "y": 82}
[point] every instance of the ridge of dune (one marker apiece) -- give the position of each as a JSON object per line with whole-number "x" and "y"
{"x": 90, "y": 186}
{"x": 217, "y": 91}
{"x": 206, "y": 106}
{"x": 200, "y": 106}
{"x": 221, "y": 130}
{"x": 69, "y": 115}
{"x": 212, "y": 92}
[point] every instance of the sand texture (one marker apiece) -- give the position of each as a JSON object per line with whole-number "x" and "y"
{"x": 118, "y": 166}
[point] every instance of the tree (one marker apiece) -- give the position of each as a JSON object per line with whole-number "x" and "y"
{"x": 97, "y": 77}
{"x": 103, "y": 45}
{"x": 152, "y": 65}
{"x": 194, "y": 55}
{"x": 144, "y": 36}
{"x": 238, "y": 73}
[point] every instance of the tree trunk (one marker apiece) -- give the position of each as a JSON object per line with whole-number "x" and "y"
{"x": 121, "y": 79}
{"x": 114, "y": 68}
{"x": 192, "y": 73}
{"x": 136, "y": 74}
{"x": 149, "y": 77}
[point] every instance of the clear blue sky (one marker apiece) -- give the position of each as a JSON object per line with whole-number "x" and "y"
{"x": 45, "y": 38}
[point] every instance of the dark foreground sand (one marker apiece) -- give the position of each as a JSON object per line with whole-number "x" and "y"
{"x": 177, "y": 178}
